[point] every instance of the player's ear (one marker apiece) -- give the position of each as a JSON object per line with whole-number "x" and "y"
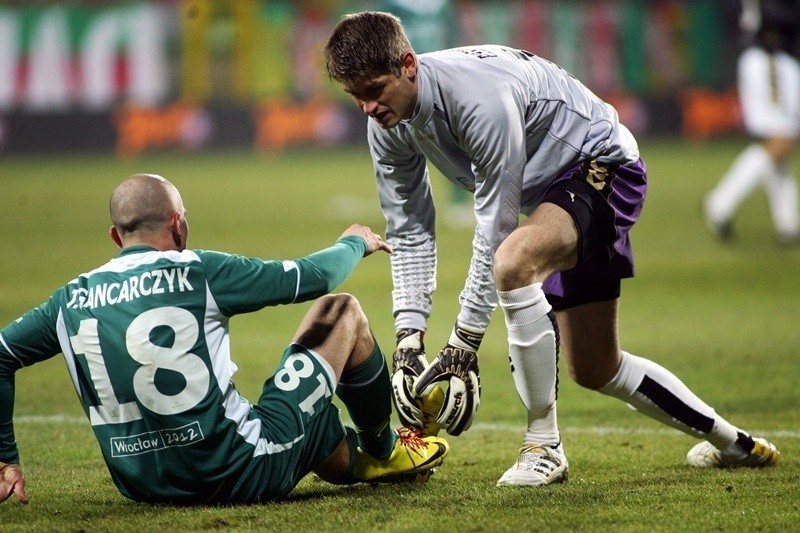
{"x": 114, "y": 234}
{"x": 175, "y": 222}
{"x": 180, "y": 229}
{"x": 410, "y": 64}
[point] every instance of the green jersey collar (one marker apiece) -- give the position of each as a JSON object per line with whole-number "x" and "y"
{"x": 136, "y": 249}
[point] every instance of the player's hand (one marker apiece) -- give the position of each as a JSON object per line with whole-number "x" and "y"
{"x": 374, "y": 241}
{"x": 12, "y": 482}
{"x": 408, "y": 362}
{"x": 458, "y": 367}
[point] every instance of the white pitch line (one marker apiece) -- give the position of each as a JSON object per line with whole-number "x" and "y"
{"x": 50, "y": 419}
{"x": 487, "y": 427}
{"x": 612, "y": 430}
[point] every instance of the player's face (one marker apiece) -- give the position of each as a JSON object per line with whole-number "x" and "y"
{"x": 388, "y": 98}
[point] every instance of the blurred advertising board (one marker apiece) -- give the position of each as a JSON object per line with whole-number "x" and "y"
{"x": 146, "y": 75}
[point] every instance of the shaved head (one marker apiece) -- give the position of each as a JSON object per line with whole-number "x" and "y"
{"x": 143, "y": 202}
{"x": 148, "y": 209}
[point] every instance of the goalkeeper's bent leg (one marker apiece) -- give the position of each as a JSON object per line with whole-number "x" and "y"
{"x": 533, "y": 354}
{"x": 654, "y": 391}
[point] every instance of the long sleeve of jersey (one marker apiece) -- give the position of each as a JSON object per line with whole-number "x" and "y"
{"x": 404, "y": 191}
{"x": 8, "y": 446}
{"x": 29, "y": 339}
{"x": 241, "y": 285}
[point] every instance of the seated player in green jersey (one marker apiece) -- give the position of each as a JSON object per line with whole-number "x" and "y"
{"x": 146, "y": 343}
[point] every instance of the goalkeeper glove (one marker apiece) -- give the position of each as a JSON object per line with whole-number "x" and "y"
{"x": 409, "y": 361}
{"x": 457, "y": 364}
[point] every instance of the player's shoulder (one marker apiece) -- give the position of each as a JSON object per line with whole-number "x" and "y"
{"x": 462, "y": 78}
{"x": 478, "y": 70}
{"x": 213, "y": 258}
{"x": 470, "y": 52}
{"x": 202, "y": 254}
{"x": 476, "y": 57}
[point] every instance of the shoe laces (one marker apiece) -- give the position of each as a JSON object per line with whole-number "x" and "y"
{"x": 540, "y": 456}
{"x": 411, "y": 438}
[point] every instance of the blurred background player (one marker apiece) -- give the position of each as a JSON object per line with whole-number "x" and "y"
{"x": 769, "y": 94}
{"x": 146, "y": 341}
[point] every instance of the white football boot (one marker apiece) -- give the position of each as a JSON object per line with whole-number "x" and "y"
{"x": 536, "y": 465}
{"x": 705, "y": 454}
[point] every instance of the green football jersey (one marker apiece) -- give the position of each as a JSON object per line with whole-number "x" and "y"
{"x": 146, "y": 342}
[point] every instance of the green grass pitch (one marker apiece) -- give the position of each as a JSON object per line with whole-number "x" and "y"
{"x": 723, "y": 317}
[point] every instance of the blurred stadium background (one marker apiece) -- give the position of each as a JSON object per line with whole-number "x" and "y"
{"x": 145, "y": 75}
{"x": 230, "y": 100}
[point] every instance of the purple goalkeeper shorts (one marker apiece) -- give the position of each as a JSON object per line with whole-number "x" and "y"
{"x": 605, "y": 202}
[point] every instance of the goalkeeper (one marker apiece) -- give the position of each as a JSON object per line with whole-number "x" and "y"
{"x": 526, "y": 138}
{"x": 145, "y": 339}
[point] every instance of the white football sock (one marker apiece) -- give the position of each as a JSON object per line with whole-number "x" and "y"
{"x": 533, "y": 358}
{"x": 748, "y": 170}
{"x": 654, "y": 391}
{"x": 781, "y": 189}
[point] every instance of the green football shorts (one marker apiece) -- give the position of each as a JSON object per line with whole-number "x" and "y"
{"x": 300, "y": 427}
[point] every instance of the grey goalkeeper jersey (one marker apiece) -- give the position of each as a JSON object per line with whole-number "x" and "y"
{"x": 500, "y": 123}
{"x": 145, "y": 340}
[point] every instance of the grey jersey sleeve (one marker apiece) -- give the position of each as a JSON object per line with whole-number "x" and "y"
{"x": 406, "y": 200}
{"x": 478, "y": 298}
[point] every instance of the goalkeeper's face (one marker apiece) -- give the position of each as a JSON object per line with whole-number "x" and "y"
{"x": 387, "y": 98}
